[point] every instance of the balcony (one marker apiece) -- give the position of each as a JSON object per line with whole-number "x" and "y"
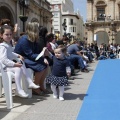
{"x": 107, "y": 19}
{"x": 72, "y": 23}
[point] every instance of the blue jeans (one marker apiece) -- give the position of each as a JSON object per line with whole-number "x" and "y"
{"x": 72, "y": 58}
{"x": 102, "y": 57}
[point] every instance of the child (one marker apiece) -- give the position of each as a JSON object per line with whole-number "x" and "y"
{"x": 9, "y": 62}
{"x": 60, "y": 71}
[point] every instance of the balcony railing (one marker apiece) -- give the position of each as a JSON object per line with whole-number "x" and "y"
{"x": 97, "y": 19}
{"x": 72, "y": 23}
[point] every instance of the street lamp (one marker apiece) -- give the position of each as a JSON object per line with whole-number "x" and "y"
{"x": 24, "y": 4}
{"x": 64, "y": 27}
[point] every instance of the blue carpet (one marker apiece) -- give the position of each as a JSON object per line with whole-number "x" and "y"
{"x": 103, "y": 96}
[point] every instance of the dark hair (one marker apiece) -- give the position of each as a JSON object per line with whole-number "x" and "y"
{"x": 22, "y": 33}
{"x": 2, "y": 28}
{"x": 4, "y": 21}
{"x": 42, "y": 31}
{"x": 50, "y": 35}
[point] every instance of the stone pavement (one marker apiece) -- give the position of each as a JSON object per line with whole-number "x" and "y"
{"x": 48, "y": 108}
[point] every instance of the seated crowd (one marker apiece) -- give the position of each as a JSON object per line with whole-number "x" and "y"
{"x": 60, "y": 55}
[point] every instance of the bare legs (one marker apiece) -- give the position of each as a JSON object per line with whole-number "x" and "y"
{"x": 39, "y": 79}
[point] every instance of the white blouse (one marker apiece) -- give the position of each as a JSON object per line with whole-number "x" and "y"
{"x": 7, "y": 55}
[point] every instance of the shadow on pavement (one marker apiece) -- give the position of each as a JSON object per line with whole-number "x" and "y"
{"x": 70, "y": 96}
{"x": 18, "y": 102}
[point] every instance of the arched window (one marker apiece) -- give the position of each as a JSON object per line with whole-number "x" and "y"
{"x": 6, "y": 13}
{"x": 100, "y": 9}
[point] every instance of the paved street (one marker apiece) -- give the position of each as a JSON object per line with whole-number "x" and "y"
{"x": 47, "y": 108}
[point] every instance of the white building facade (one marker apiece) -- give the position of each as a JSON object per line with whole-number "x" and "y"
{"x": 64, "y": 10}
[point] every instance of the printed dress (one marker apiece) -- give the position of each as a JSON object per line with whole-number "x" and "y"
{"x": 58, "y": 76}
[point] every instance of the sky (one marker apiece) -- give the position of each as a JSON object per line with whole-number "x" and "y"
{"x": 81, "y": 5}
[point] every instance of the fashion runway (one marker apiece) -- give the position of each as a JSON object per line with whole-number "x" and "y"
{"x": 103, "y": 96}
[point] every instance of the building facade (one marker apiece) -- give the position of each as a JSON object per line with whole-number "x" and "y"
{"x": 63, "y": 10}
{"x": 36, "y": 11}
{"x": 103, "y": 21}
{"x": 74, "y": 23}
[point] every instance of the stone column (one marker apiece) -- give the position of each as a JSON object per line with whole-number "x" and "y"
{"x": 89, "y": 10}
{"x": 112, "y": 7}
{"x": 90, "y": 37}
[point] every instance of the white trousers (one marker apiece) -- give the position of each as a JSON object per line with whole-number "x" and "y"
{"x": 19, "y": 72}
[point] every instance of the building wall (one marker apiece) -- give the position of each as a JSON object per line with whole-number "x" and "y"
{"x": 66, "y": 11}
{"x": 76, "y": 29}
{"x": 37, "y": 10}
{"x": 107, "y": 29}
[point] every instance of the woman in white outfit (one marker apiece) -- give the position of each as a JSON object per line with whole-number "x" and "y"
{"x": 9, "y": 61}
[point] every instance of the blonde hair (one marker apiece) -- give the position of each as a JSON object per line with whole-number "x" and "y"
{"x": 32, "y": 30}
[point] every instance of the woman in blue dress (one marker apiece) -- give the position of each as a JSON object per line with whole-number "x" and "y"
{"x": 27, "y": 46}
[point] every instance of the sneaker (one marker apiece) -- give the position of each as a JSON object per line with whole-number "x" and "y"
{"x": 61, "y": 98}
{"x": 22, "y": 94}
{"x": 55, "y": 96}
{"x": 33, "y": 86}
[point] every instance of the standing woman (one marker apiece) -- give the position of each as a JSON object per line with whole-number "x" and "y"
{"x": 27, "y": 46}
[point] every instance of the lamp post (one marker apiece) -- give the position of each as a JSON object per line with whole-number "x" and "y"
{"x": 24, "y": 4}
{"x": 64, "y": 27}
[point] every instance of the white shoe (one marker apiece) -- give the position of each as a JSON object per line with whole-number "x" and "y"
{"x": 33, "y": 86}
{"x": 22, "y": 94}
{"x": 61, "y": 98}
{"x": 55, "y": 96}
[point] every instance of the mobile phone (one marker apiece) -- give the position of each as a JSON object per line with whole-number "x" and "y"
{"x": 14, "y": 61}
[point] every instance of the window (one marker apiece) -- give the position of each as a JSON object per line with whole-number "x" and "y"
{"x": 56, "y": 7}
{"x": 55, "y": 14}
{"x": 100, "y": 11}
{"x": 71, "y": 21}
{"x": 100, "y": 7}
{"x": 70, "y": 29}
{"x": 73, "y": 29}
{"x": 56, "y": 25}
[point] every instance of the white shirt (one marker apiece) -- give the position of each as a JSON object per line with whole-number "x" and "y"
{"x": 53, "y": 46}
{"x": 7, "y": 55}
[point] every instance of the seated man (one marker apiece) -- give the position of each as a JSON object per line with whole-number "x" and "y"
{"x": 74, "y": 54}
{"x": 111, "y": 54}
{"x": 103, "y": 55}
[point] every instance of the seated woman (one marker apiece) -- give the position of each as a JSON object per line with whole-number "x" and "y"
{"x": 27, "y": 46}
